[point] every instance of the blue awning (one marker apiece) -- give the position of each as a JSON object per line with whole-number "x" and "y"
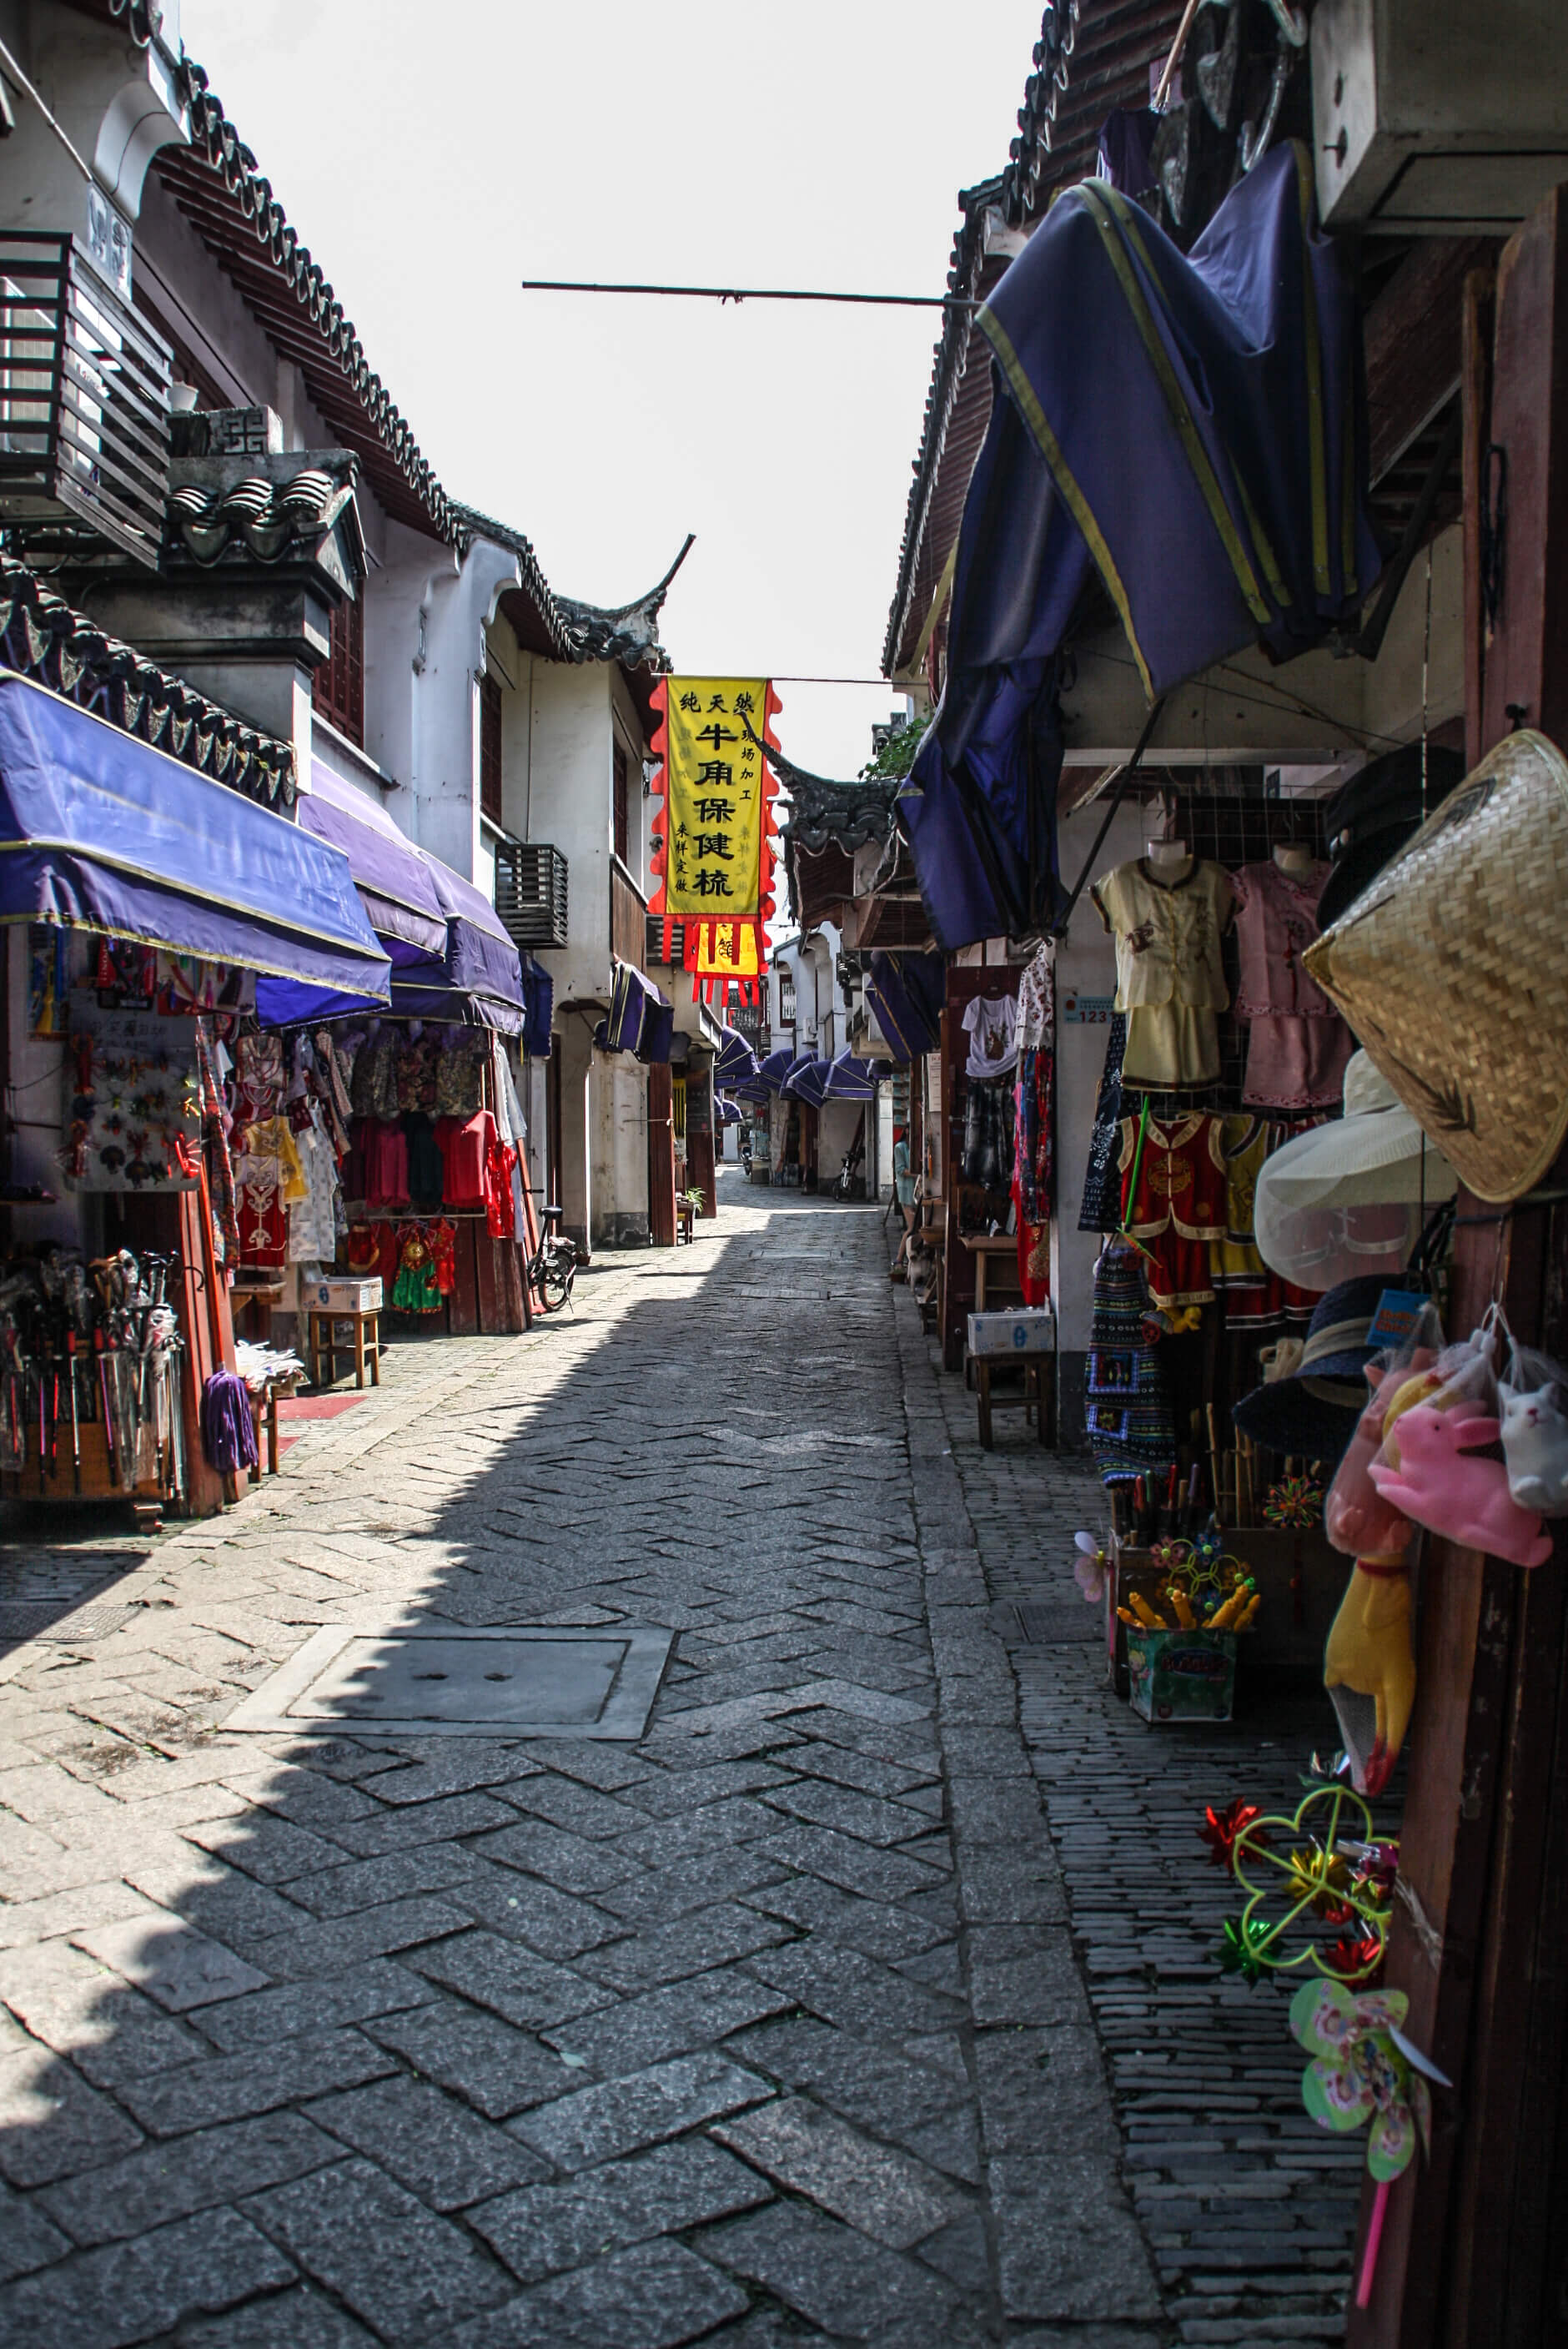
{"x": 479, "y": 976}
{"x": 639, "y": 1021}
{"x": 849, "y": 1080}
{"x": 735, "y": 1058}
{"x": 100, "y": 831}
{"x": 728, "y": 1111}
{"x": 905, "y": 991}
{"x": 808, "y": 1080}
{"x": 775, "y": 1069}
{"x": 396, "y": 885}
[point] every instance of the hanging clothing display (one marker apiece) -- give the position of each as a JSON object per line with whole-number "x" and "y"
{"x": 992, "y": 1028}
{"x": 1100, "y": 1208}
{"x": 312, "y": 1220}
{"x": 989, "y": 1119}
{"x": 1297, "y": 1044}
{"x": 1173, "y": 1202}
{"x": 1169, "y": 976}
{"x": 1032, "y": 1160}
{"x": 1254, "y": 1296}
{"x": 1127, "y": 1411}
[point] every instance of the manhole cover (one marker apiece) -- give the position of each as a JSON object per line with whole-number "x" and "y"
{"x": 1024, "y": 1623}
{"x": 37, "y": 1619}
{"x": 504, "y": 1681}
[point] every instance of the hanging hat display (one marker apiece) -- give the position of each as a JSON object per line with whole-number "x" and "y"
{"x": 1370, "y": 818}
{"x": 1452, "y": 968}
{"x": 1313, "y": 1410}
{"x": 1345, "y": 1199}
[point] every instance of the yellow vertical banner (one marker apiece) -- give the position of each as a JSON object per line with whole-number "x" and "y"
{"x": 714, "y": 796}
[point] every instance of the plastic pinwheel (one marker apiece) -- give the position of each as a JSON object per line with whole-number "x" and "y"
{"x": 1310, "y": 1862}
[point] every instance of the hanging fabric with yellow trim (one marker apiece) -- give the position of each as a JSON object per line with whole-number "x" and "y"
{"x": 1189, "y": 427}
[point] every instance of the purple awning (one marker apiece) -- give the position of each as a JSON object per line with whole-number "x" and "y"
{"x": 100, "y": 831}
{"x": 394, "y": 881}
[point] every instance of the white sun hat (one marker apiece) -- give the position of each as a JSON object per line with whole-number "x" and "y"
{"x": 1347, "y": 1199}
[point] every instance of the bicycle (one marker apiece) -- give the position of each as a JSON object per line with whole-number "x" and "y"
{"x": 553, "y": 1266}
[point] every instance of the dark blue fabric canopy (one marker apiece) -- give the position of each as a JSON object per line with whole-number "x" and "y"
{"x": 775, "y": 1069}
{"x": 807, "y": 1079}
{"x": 396, "y": 885}
{"x": 100, "y": 831}
{"x": 728, "y": 1111}
{"x": 639, "y": 1021}
{"x": 478, "y": 978}
{"x": 906, "y": 993}
{"x": 735, "y": 1058}
{"x": 540, "y": 988}
{"x": 849, "y": 1080}
{"x": 1190, "y": 427}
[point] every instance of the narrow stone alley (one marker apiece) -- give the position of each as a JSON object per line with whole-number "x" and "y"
{"x": 866, "y": 1997}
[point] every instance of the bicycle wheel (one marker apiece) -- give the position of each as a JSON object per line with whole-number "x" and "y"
{"x": 556, "y": 1280}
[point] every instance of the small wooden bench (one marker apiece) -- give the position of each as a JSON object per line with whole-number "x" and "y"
{"x": 686, "y": 1221}
{"x": 1037, "y": 1392}
{"x": 322, "y": 1345}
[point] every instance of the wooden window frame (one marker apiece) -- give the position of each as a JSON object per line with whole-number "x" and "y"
{"x": 337, "y": 687}
{"x": 621, "y": 801}
{"x": 490, "y": 796}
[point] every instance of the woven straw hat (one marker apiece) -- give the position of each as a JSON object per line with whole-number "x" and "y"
{"x": 1452, "y": 968}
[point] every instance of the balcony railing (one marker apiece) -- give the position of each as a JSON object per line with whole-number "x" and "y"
{"x": 628, "y": 917}
{"x": 530, "y": 892}
{"x": 84, "y": 406}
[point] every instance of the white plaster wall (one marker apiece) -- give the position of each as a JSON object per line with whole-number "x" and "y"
{"x": 559, "y": 790}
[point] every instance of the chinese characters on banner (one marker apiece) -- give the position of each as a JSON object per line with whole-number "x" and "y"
{"x": 716, "y": 859}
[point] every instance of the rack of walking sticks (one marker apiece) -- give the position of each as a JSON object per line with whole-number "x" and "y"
{"x": 89, "y": 1379}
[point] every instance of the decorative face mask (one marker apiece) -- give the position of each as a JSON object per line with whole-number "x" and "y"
{"x": 1535, "y": 1446}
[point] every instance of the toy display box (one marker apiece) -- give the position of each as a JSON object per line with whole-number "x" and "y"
{"x": 342, "y": 1296}
{"x": 1023, "y": 1329}
{"x": 1181, "y": 1675}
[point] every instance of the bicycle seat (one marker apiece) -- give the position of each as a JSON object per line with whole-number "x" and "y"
{"x": 551, "y": 1215}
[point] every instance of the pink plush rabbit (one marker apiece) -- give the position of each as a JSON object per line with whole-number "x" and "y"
{"x": 1443, "y": 1483}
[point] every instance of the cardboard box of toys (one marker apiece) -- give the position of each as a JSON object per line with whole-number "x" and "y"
{"x": 1181, "y": 1675}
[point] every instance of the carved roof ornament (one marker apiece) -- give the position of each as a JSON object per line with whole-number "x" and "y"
{"x": 628, "y": 633}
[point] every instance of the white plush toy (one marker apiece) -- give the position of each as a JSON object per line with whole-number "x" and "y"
{"x": 1535, "y": 1446}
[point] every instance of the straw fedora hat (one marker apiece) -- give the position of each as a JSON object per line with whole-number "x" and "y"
{"x": 1452, "y": 968}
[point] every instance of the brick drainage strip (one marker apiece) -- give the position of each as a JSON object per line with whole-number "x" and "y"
{"x": 1248, "y": 2208}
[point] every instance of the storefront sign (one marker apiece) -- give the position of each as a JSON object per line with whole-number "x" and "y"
{"x": 715, "y": 856}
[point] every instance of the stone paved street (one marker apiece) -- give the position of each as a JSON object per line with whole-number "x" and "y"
{"x": 800, "y": 2019}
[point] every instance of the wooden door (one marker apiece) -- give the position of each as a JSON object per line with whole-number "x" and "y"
{"x": 1475, "y": 2255}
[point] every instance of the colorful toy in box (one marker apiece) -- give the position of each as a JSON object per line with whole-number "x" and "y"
{"x": 1202, "y": 1589}
{"x": 1181, "y": 1675}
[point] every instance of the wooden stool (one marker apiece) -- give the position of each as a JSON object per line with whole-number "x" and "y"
{"x": 321, "y": 1341}
{"x": 264, "y": 1418}
{"x": 1037, "y": 1392}
{"x": 686, "y": 1221}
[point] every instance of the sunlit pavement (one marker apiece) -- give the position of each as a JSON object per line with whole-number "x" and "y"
{"x": 770, "y": 2027}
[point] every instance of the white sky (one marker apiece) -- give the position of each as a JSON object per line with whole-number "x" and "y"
{"x": 433, "y": 156}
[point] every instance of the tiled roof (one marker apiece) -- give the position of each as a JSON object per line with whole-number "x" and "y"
{"x": 1092, "y": 58}
{"x": 42, "y": 636}
{"x": 548, "y": 634}
{"x": 216, "y": 184}
{"x": 269, "y": 517}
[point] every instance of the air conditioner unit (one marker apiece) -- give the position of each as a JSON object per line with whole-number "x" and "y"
{"x": 530, "y": 893}
{"x": 1437, "y": 118}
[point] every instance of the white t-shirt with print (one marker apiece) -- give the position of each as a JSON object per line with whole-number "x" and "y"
{"x": 992, "y": 1029}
